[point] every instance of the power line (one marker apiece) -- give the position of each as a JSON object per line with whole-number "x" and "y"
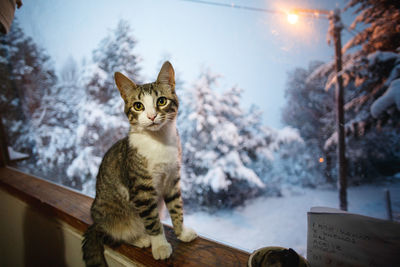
{"x": 322, "y": 14}
{"x": 236, "y": 6}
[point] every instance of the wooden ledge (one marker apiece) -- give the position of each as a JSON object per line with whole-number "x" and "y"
{"x": 73, "y": 208}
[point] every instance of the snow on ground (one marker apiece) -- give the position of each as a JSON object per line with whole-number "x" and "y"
{"x": 282, "y": 221}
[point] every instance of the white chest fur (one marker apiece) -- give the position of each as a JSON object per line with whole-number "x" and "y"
{"x": 160, "y": 150}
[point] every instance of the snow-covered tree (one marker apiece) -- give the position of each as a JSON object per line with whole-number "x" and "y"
{"x": 13, "y": 111}
{"x": 101, "y": 121}
{"x": 309, "y": 108}
{"x": 372, "y": 77}
{"x": 28, "y": 79}
{"x": 115, "y": 53}
{"x": 56, "y": 123}
{"x": 37, "y": 111}
{"x": 368, "y": 122}
{"x": 380, "y": 21}
{"x": 215, "y": 171}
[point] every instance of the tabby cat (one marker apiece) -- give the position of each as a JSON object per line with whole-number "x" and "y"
{"x": 139, "y": 172}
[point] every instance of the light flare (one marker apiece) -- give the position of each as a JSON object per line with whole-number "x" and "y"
{"x": 292, "y": 18}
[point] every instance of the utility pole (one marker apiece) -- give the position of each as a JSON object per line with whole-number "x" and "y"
{"x": 337, "y": 27}
{"x": 335, "y": 31}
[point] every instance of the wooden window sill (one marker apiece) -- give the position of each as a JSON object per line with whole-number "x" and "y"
{"x": 73, "y": 208}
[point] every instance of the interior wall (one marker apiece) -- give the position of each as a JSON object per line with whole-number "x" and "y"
{"x": 28, "y": 237}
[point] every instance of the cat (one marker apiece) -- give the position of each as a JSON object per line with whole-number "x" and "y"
{"x": 139, "y": 172}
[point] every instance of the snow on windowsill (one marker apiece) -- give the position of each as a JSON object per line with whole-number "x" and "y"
{"x": 15, "y": 155}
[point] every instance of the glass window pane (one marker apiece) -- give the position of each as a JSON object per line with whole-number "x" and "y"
{"x": 257, "y": 110}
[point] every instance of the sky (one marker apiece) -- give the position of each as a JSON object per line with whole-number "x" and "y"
{"x": 251, "y": 50}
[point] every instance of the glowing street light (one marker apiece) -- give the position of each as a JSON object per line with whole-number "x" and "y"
{"x": 292, "y": 18}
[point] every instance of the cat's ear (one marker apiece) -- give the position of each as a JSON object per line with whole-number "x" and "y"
{"x": 124, "y": 84}
{"x": 167, "y": 74}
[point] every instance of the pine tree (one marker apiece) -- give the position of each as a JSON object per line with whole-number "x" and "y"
{"x": 381, "y": 25}
{"x": 14, "y": 118}
{"x": 28, "y": 79}
{"x": 216, "y": 174}
{"x": 372, "y": 79}
{"x": 115, "y": 53}
{"x": 101, "y": 121}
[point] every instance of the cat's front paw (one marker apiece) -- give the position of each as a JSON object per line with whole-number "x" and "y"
{"x": 160, "y": 248}
{"x": 141, "y": 242}
{"x": 187, "y": 235}
{"x": 162, "y": 252}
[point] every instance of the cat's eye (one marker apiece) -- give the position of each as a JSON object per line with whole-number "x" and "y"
{"x": 138, "y": 106}
{"x": 162, "y": 101}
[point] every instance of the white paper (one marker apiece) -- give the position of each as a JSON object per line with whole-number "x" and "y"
{"x": 337, "y": 238}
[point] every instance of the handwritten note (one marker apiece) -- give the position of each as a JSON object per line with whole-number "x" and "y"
{"x": 337, "y": 238}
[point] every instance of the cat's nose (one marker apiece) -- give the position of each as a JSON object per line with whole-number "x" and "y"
{"x": 152, "y": 117}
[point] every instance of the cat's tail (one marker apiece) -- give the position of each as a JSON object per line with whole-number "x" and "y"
{"x": 93, "y": 247}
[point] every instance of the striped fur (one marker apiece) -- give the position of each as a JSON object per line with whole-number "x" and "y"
{"x": 138, "y": 172}
{"x": 93, "y": 247}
